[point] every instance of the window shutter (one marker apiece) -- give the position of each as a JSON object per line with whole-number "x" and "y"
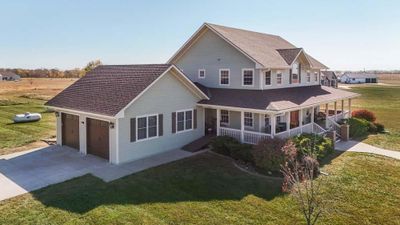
{"x": 194, "y": 118}
{"x": 160, "y": 125}
{"x": 133, "y": 129}
{"x": 174, "y": 122}
{"x": 299, "y": 72}
{"x": 290, "y": 76}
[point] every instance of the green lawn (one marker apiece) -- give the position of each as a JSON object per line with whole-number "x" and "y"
{"x": 384, "y": 101}
{"x": 15, "y": 135}
{"x": 207, "y": 189}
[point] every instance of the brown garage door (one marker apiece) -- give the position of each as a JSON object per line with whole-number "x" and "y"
{"x": 70, "y": 130}
{"x": 97, "y": 138}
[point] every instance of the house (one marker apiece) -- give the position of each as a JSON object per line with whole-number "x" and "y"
{"x": 9, "y": 76}
{"x": 329, "y": 78}
{"x": 358, "y": 78}
{"x": 222, "y": 81}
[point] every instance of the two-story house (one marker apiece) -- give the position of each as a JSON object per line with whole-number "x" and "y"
{"x": 222, "y": 81}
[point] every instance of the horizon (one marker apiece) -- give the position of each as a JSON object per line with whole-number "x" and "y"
{"x": 356, "y": 36}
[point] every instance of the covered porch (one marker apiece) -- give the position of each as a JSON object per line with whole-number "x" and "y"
{"x": 251, "y": 125}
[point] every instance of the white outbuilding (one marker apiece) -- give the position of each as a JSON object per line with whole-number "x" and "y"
{"x": 358, "y": 78}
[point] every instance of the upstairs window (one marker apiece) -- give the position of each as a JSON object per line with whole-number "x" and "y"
{"x": 316, "y": 76}
{"x": 268, "y": 78}
{"x": 295, "y": 73}
{"x": 295, "y": 78}
{"x": 248, "y": 77}
{"x": 279, "y": 78}
{"x": 202, "y": 73}
{"x": 308, "y": 76}
{"x": 224, "y": 117}
{"x": 224, "y": 76}
{"x": 248, "y": 119}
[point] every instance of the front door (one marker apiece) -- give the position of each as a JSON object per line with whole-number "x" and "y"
{"x": 210, "y": 121}
{"x": 294, "y": 119}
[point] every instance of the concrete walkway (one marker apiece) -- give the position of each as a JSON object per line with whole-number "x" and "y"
{"x": 34, "y": 169}
{"x": 355, "y": 146}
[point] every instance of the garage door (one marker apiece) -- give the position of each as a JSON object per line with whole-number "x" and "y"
{"x": 70, "y": 130}
{"x": 97, "y": 138}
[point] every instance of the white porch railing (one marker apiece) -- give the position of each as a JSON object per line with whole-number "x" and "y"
{"x": 332, "y": 125}
{"x": 282, "y": 135}
{"x": 251, "y": 137}
{"x": 317, "y": 129}
{"x": 295, "y": 131}
{"x": 235, "y": 133}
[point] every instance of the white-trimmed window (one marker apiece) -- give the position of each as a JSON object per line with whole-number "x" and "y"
{"x": 224, "y": 117}
{"x": 295, "y": 78}
{"x": 224, "y": 76}
{"x": 248, "y": 77}
{"x": 184, "y": 120}
{"x": 202, "y": 73}
{"x": 308, "y": 76}
{"x": 316, "y": 76}
{"x": 268, "y": 78}
{"x": 279, "y": 77}
{"x": 147, "y": 127}
{"x": 248, "y": 119}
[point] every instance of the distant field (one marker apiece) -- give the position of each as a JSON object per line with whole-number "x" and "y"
{"x": 27, "y": 95}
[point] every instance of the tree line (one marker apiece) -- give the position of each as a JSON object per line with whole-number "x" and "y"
{"x": 55, "y": 73}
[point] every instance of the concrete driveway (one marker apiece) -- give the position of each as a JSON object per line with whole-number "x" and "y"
{"x": 31, "y": 170}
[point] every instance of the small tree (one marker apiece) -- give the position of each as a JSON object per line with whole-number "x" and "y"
{"x": 299, "y": 181}
{"x": 91, "y": 65}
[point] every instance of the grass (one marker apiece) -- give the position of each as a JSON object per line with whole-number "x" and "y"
{"x": 28, "y": 95}
{"x": 207, "y": 189}
{"x": 384, "y": 101}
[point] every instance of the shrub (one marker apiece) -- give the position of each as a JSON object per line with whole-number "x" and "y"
{"x": 358, "y": 127}
{"x": 364, "y": 114}
{"x": 380, "y": 128}
{"x": 222, "y": 144}
{"x": 241, "y": 152}
{"x": 313, "y": 145}
{"x": 269, "y": 154}
{"x": 372, "y": 127}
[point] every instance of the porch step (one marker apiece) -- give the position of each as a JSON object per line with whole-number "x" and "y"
{"x": 198, "y": 144}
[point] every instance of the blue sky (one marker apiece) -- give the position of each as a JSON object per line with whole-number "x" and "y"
{"x": 66, "y": 34}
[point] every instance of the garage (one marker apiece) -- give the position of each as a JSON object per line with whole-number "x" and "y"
{"x": 98, "y": 138}
{"x": 70, "y": 130}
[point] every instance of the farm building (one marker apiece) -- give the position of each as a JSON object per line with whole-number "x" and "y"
{"x": 358, "y": 78}
{"x": 9, "y": 76}
{"x": 329, "y": 78}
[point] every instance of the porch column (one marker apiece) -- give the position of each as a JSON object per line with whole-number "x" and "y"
{"x": 288, "y": 122}
{"x": 335, "y": 107}
{"x": 326, "y": 114}
{"x": 301, "y": 120}
{"x": 342, "y": 107}
{"x": 242, "y": 126}
{"x": 349, "y": 107}
{"x": 260, "y": 122}
{"x": 273, "y": 125}
{"x": 218, "y": 121}
{"x": 312, "y": 119}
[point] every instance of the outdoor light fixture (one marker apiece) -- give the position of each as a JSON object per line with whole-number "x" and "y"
{"x": 57, "y": 114}
{"x": 111, "y": 125}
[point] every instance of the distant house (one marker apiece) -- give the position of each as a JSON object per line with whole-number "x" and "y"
{"x": 9, "y": 76}
{"x": 329, "y": 78}
{"x": 358, "y": 78}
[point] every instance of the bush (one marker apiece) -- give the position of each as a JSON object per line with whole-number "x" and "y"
{"x": 372, "y": 128}
{"x": 358, "y": 127}
{"x": 241, "y": 152}
{"x": 269, "y": 154}
{"x": 380, "y": 128}
{"x": 222, "y": 144}
{"x": 313, "y": 145}
{"x": 364, "y": 114}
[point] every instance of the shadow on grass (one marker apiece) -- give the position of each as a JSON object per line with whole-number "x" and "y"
{"x": 202, "y": 178}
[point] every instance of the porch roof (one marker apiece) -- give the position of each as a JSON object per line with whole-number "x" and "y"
{"x": 281, "y": 99}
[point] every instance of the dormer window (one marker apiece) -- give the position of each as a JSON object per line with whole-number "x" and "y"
{"x": 202, "y": 73}
{"x": 295, "y": 73}
{"x": 224, "y": 77}
{"x": 248, "y": 77}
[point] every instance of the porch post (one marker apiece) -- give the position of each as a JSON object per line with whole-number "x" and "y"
{"x": 218, "y": 121}
{"x": 349, "y": 107}
{"x": 326, "y": 114}
{"x": 343, "y": 107}
{"x": 335, "y": 107}
{"x": 288, "y": 122}
{"x": 260, "y": 123}
{"x": 273, "y": 125}
{"x": 242, "y": 126}
{"x": 312, "y": 119}
{"x": 301, "y": 120}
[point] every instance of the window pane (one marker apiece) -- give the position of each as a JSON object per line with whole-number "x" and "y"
{"x": 152, "y": 121}
{"x": 181, "y": 116}
{"x": 248, "y": 77}
{"x": 224, "y": 77}
{"x": 142, "y": 122}
{"x": 142, "y": 133}
{"x": 180, "y": 125}
{"x": 152, "y": 131}
{"x": 224, "y": 116}
{"x": 268, "y": 78}
{"x": 248, "y": 119}
{"x": 188, "y": 119}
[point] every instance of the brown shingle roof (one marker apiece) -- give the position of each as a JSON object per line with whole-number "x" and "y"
{"x": 289, "y": 54}
{"x": 275, "y": 99}
{"x": 330, "y": 75}
{"x": 108, "y": 89}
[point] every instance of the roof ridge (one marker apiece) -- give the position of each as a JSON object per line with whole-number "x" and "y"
{"x": 241, "y": 29}
{"x": 150, "y": 64}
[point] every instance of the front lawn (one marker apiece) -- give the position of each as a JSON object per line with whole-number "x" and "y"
{"x": 384, "y": 101}
{"x": 208, "y": 189}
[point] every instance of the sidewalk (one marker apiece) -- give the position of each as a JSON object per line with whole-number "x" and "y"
{"x": 355, "y": 146}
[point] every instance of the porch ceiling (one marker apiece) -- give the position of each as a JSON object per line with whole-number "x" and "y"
{"x": 281, "y": 99}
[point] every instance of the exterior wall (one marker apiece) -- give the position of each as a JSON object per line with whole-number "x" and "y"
{"x": 166, "y": 96}
{"x": 212, "y": 53}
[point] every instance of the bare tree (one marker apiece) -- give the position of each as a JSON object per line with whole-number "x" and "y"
{"x": 299, "y": 181}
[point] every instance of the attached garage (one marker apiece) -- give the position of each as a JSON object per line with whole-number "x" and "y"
{"x": 70, "y": 130}
{"x": 98, "y": 138}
